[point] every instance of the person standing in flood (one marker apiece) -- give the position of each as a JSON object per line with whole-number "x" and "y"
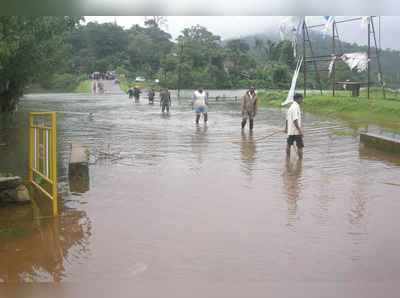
{"x": 165, "y": 100}
{"x": 249, "y": 105}
{"x": 94, "y": 86}
{"x": 136, "y": 93}
{"x": 151, "y": 94}
{"x": 200, "y": 104}
{"x": 293, "y": 126}
{"x": 130, "y": 92}
{"x": 100, "y": 87}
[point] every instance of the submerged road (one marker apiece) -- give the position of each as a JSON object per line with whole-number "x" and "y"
{"x": 180, "y": 210}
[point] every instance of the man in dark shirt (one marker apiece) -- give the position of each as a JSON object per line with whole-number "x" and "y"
{"x": 165, "y": 100}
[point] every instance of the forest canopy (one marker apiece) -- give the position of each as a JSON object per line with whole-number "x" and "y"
{"x": 59, "y": 52}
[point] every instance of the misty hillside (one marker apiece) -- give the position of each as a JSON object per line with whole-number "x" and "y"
{"x": 322, "y": 45}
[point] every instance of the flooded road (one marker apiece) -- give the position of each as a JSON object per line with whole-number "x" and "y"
{"x": 175, "y": 204}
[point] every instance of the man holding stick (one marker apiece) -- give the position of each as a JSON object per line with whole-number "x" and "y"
{"x": 293, "y": 126}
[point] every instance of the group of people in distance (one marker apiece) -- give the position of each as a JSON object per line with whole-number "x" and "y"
{"x": 134, "y": 93}
{"x": 165, "y": 97}
{"x": 249, "y": 107}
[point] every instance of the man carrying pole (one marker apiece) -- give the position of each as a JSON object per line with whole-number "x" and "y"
{"x": 293, "y": 126}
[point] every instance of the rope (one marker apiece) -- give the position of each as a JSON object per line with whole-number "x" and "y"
{"x": 257, "y": 139}
{"x": 391, "y": 183}
{"x": 267, "y": 136}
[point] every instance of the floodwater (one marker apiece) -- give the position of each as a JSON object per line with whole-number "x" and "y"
{"x": 206, "y": 210}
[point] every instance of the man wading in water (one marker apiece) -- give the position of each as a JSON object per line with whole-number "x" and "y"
{"x": 293, "y": 126}
{"x": 200, "y": 104}
{"x": 136, "y": 93}
{"x": 249, "y": 107}
{"x": 130, "y": 92}
{"x": 165, "y": 100}
{"x": 151, "y": 94}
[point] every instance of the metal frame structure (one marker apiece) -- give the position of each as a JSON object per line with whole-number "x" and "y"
{"x": 337, "y": 51}
{"x": 43, "y": 155}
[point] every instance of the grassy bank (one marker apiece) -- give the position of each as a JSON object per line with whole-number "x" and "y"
{"x": 84, "y": 87}
{"x": 125, "y": 84}
{"x": 359, "y": 111}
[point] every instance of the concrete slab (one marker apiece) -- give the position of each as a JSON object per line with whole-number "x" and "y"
{"x": 78, "y": 154}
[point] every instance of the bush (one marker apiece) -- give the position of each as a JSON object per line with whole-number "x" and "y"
{"x": 121, "y": 71}
{"x": 63, "y": 82}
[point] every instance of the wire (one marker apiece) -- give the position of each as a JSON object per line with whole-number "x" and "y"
{"x": 380, "y": 44}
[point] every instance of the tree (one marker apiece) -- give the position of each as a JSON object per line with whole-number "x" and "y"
{"x": 29, "y": 48}
{"x": 240, "y": 62}
{"x": 200, "y": 59}
{"x": 98, "y": 47}
{"x": 286, "y": 54}
{"x": 156, "y": 21}
{"x": 146, "y": 48}
{"x": 280, "y": 76}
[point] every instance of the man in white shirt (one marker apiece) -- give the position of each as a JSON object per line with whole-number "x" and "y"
{"x": 293, "y": 126}
{"x": 200, "y": 104}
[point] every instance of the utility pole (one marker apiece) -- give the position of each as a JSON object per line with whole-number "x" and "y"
{"x": 368, "y": 56}
{"x": 304, "y": 59}
{"x": 179, "y": 68}
{"x": 334, "y": 61}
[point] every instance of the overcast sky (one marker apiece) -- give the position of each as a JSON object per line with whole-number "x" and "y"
{"x": 237, "y": 26}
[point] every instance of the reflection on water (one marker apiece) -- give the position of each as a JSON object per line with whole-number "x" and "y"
{"x": 372, "y": 154}
{"x": 292, "y": 184}
{"x": 78, "y": 177}
{"x": 200, "y": 142}
{"x": 248, "y": 152}
{"x": 39, "y": 249}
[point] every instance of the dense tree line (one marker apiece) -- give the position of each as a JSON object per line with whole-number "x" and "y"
{"x": 58, "y": 52}
{"x": 199, "y": 57}
{"x": 30, "y": 49}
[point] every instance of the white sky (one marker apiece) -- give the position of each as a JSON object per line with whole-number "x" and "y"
{"x": 237, "y": 26}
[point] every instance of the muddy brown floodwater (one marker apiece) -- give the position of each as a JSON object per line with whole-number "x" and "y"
{"x": 179, "y": 210}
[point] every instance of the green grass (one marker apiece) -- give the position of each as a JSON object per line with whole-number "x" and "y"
{"x": 343, "y": 133}
{"x": 359, "y": 111}
{"x": 84, "y": 87}
{"x": 125, "y": 84}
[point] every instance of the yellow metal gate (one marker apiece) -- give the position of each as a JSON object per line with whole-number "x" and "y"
{"x": 43, "y": 155}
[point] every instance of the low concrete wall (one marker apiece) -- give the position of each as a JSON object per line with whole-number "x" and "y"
{"x": 380, "y": 142}
{"x": 78, "y": 170}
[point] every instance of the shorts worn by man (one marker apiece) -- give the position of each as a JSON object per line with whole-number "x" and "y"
{"x": 293, "y": 126}
{"x": 200, "y": 104}
{"x": 165, "y": 100}
{"x": 249, "y": 107}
